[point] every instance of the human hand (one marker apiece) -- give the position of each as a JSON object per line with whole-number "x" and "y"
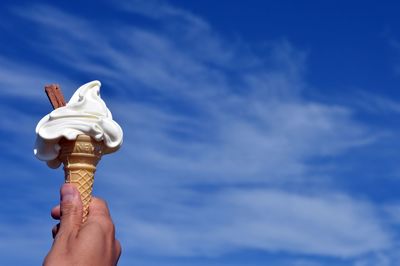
{"x": 90, "y": 243}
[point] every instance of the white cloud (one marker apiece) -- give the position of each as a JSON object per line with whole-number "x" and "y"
{"x": 15, "y": 77}
{"x": 263, "y": 219}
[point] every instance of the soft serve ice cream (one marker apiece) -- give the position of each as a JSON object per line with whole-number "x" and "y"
{"x": 85, "y": 114}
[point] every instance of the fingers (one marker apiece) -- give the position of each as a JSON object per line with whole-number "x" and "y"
{"x": 99, "y": 222}
{"x": 118, "y": 251}
{"x": 98, "y": 207}
{"x": 55, "y": 229}
{"x": 70, "y": 210}
{"x": 99, "y": 217}
{"x": 56, "y": 212}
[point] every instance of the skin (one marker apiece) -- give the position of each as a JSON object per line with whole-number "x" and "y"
{"x": 90, "y": 243}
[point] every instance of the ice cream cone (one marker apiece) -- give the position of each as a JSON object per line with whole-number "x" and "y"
{"x": 80, "y": 158}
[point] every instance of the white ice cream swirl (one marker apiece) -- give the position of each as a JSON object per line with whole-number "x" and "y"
{"x": 86, "y": 113}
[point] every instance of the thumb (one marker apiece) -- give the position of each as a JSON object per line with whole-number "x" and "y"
{"x": 71, "y": 210}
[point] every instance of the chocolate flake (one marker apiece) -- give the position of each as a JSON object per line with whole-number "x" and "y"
{"x": 55, "y": 95}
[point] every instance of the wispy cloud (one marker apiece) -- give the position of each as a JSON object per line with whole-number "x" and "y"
{"x": 15, "y": 76}
{"x": 376, "y": 103}
{"x": 265, "y": 219}
{"x": 219, "y": 141}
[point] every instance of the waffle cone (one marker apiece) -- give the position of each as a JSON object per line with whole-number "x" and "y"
{"x": 80, "y": 158}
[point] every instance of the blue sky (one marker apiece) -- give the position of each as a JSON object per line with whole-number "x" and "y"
{"x": 256, "y": 133}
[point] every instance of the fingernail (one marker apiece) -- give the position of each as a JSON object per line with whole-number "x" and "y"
{"x": 68, "y": 193}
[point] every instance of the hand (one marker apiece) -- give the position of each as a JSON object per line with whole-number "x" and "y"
{"x": 90, "y": 243}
